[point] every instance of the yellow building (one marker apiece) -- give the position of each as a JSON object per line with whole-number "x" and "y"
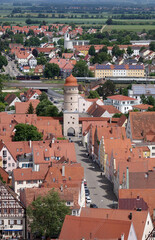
{"x": 102, "y": 71}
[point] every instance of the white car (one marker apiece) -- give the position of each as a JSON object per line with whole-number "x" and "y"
{"x": 88, "y": 199}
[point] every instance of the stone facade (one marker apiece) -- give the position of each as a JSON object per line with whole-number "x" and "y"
{"x": 71, "y": 115}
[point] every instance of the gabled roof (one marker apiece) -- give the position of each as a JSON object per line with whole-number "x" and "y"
{"x": 141, "y": 123}
{"x": 69, "y": 173}
{"x": 98, "y": 110}
{"x": 148, "y": 195}
{"x": 121, "y": 98}
{"x": 138, "y": 218}
{"x": 27, "y": 174}
{"x": 14, "y": 195}
{"x": 5, "y": 176}
{"x": 17, "y": 148}
{"x": 22, "y": 107}
{"x": 75, "y": 228}
{"x": 143, "y": 106}
{"x": 10, "y": 98}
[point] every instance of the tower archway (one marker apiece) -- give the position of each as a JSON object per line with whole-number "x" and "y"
{"x": 71, "y": 132}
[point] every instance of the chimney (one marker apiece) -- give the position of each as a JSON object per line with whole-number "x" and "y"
{"x": 130, "y": 216}
{"x": 138, "y": 198}
{"x": 63, "y": 171}
{"x": 30, "y": 143}
{"x": 127, "y": 178}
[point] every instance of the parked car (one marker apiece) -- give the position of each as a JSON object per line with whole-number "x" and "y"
{"x": 87, "y": 194}
{"x": 88, "y": 199}
{"x": 86, "y": 188}
{"x": 85, "y": 182}
{"x": 93, "y": 205}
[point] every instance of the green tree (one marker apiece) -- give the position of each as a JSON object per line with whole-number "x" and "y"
{"x": 81, "y": 70}
{"x": 152, "y": 46}
{"x": 93, "y": 94}
{"x": 104, "y": 49}
{"x": 151, "y": 100}
{"x": 129, "y": 51}
{"x": 61, "y": 42}
{"x": 47, "y": 214}
{"x": 51, "y": 70}
{"x": 35, "y": 52}
{"x": 43, "y": 96}
{"x": 52, "y": 111}
{"x": 30, "y": 109}
{"x": 41, "y": 60}
{"x": 25, "y": 132}
{"x": 91, "y": 51}
{"x": 1, "y": 88}
{"x": 30, "y": 32}
{"x": 117, "y": 115}
{"x": 3, "y": 61}
{"x": 107, "y": 89}
{"x": 46, "y": 108}
{"x": 143, "y": 99}
{"x": 109, "y": 21}
{"x": 116, "y": 51}
{"x": 125, "y": 92}
{"x": 2, "y": 107}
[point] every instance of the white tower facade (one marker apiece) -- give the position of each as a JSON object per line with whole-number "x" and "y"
{"x": 68, "y": 44}
{"x": 71, "y": 114}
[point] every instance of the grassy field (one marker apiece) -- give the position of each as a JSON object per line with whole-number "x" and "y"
{"x": 6, "y": 10}
{"x": 136, "y": 28}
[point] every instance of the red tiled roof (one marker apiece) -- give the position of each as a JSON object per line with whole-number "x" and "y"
{"x": 141, "y": 123}
{"x": 143, "y": 106}
{"x": 97, "y": 110}
{"x": 121, "y": 98}
{"x": 86, "y": 228}
{"x": 148, "y": 196}
{"x": 138, "y": 218}
{"x": 22, "y": 107}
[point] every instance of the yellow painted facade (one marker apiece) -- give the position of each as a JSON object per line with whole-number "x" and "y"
{"x": 135, "y": 73}
{"x": 101, "y": 73}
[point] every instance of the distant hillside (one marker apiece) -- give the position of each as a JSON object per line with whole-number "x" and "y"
{"x": 84, "y": 1}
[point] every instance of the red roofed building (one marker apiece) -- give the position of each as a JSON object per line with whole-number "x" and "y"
{"x": 27, "y": 178}
{"x": 127, "y": 196}
{"x": 39, "y": 69}
{"x": 22, "y": 107}
{"x": 141, "y": 219}
{"x": 123, "y": 103}
{"x": 77, "y": 228}
{"x": 31, "y": 94}
{"x": 141, "y": 129}
{"x": 96, "y": 110}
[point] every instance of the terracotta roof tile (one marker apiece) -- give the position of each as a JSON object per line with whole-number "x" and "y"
{"x": 22, "y": 107}
{"x": 121, "y": 98}
{"x": 83, "y": 227}
{"x": 141, "y": 123}
{"x": 138, "y": 218}
{"x": 148, "y": 196}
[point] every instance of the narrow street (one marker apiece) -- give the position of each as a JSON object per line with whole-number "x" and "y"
{"x": 100, "y": 188}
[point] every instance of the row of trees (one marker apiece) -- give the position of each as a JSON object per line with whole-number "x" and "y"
{"x": 80, "y": 69}
{"x": 103, "y": 55}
